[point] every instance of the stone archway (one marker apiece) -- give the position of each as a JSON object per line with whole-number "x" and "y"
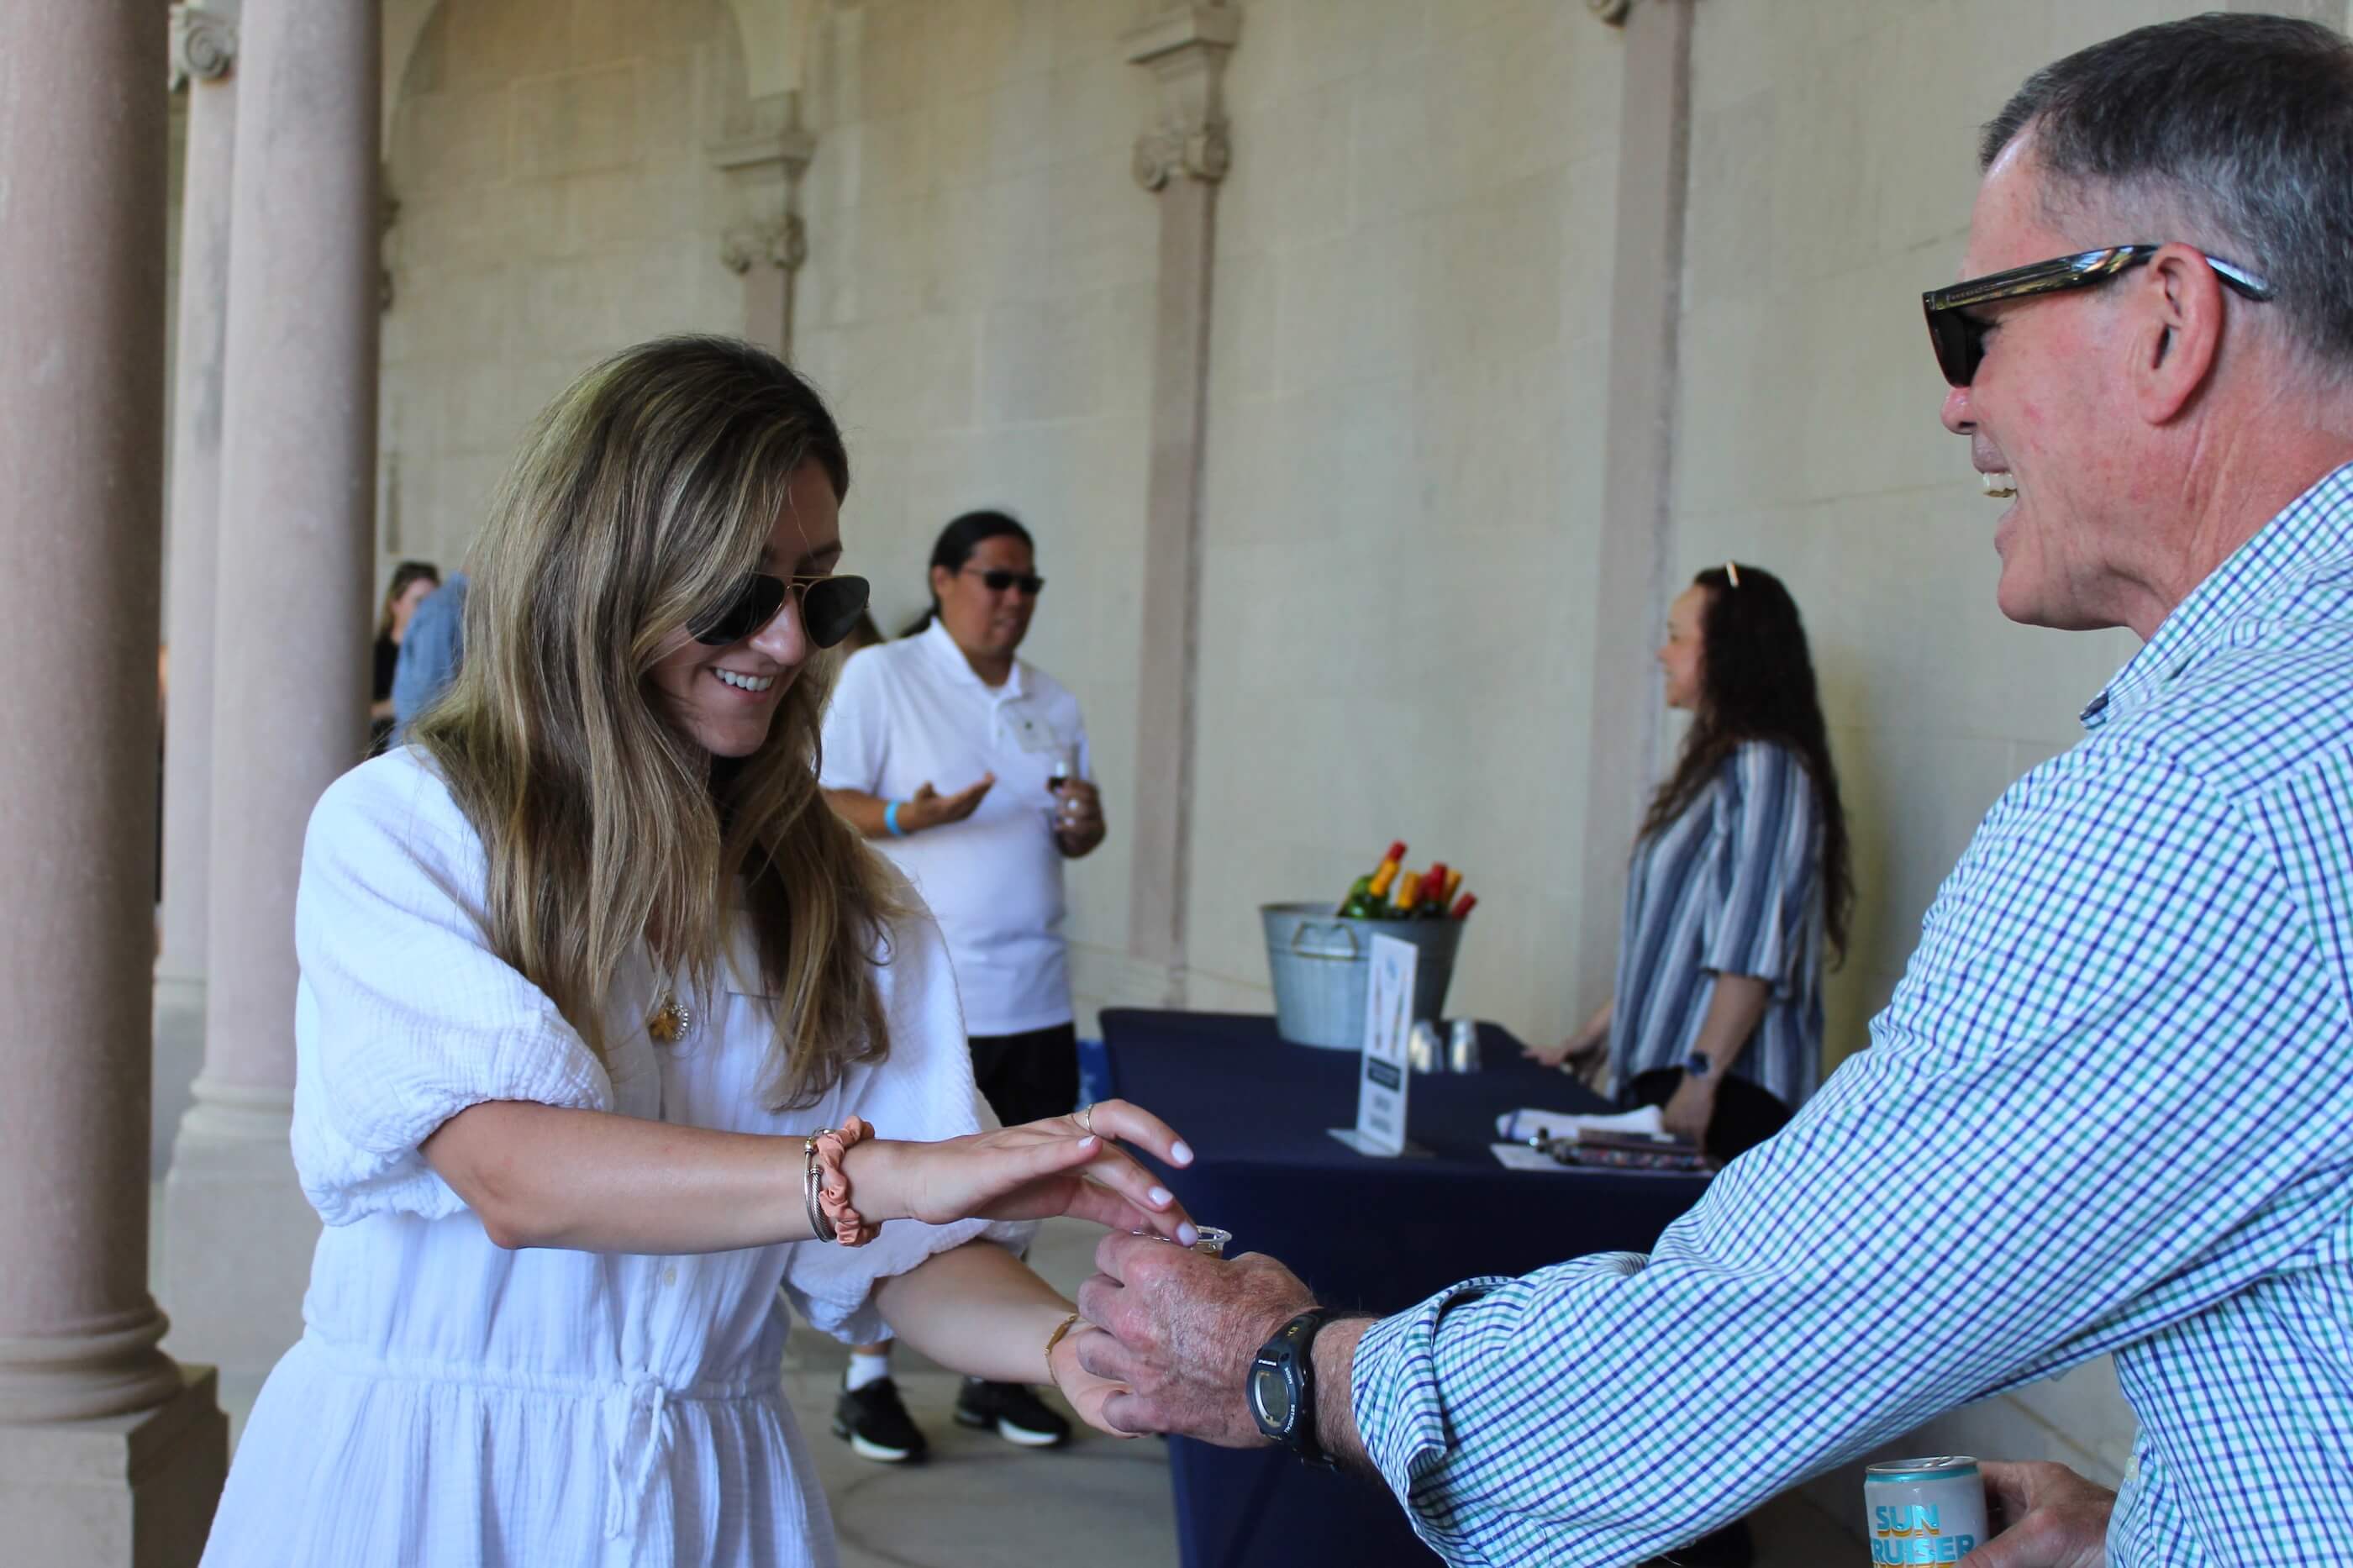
{"x": 557, "y": 200}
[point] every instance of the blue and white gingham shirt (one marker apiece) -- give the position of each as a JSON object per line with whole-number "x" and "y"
{"x": 2110, "y": 1108}
{"x": 1732, "y": 886}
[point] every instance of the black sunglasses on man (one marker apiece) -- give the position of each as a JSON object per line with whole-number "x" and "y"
{"x": 997, "y": 579}
{"x": 830, "y": 606}
{"x": 1959, "y": 336}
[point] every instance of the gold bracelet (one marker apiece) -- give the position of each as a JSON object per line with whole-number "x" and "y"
{"x": 1064, "y": 1326}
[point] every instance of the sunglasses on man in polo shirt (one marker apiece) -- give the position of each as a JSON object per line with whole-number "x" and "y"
{"x": 997, "y": 579}
{"x": 830, "y": 606}
{"x": 1959, "y": 336}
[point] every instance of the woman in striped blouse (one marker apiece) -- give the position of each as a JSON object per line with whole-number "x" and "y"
{"x": 1740, "y": 880}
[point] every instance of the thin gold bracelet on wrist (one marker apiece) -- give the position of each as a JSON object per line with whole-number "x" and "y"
{"x": 1061, "y": 1328}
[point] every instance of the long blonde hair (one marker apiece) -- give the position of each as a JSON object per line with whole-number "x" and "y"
{"x": 642, "y": 496}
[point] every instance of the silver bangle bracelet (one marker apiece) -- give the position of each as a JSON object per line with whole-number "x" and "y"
{"x": 818, "y": 1228}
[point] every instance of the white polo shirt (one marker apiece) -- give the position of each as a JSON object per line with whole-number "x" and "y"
{"x": 913, "y": 712}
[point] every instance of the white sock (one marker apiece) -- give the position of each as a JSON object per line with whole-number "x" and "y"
{"x": 865, "y": 1368}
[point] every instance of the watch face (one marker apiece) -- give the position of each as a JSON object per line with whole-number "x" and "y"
{"x": 1271, "y": 1398}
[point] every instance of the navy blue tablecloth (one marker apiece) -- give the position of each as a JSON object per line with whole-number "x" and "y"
{"x": 1364, "y": 1233}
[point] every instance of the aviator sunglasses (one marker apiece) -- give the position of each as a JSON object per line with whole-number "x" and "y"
{"x": 1960, "y": 338}
{"x": 830, "y": 606}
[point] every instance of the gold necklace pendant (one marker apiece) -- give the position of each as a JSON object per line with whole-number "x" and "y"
{"x": 669, "y": 1020}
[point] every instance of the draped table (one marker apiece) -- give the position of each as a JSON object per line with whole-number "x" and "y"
{"x": 1365, "y": 1234}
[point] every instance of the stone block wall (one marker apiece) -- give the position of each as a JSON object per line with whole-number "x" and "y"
{"x": 1408, "y": 369}
{"x": 978, "y": 304}
{"x": 556, "y": 202}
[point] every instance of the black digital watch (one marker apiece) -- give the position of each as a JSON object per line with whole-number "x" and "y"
{"x": 1282, "y": 1386}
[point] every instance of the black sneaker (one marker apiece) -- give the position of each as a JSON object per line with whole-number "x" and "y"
{"x": 1019, "y": 1415}
{"x": 876, "y": 1425}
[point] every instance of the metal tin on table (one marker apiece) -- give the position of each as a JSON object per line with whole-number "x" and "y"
{"x": 1422, "y": 1051}
{"x": 1925, "y": 1510}
{"x": 1462, "y": 1046}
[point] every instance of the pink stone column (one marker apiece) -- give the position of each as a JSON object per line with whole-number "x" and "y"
{"x": 83, "y": 1387}
{"x": 289, "y": 713}
{"x": 203, "y": 47}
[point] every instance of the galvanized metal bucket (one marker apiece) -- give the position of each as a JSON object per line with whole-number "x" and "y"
{"x": 1320, "y": 962}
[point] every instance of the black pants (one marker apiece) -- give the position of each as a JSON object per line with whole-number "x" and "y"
{"x": 1745, "y": 1115}
{"x": 1026, "y": 1077}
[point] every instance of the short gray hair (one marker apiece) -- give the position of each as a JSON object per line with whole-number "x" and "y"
{"x": 2240, "y": 125}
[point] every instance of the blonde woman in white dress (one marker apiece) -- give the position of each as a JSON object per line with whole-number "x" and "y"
{"x": 583, "y": 967}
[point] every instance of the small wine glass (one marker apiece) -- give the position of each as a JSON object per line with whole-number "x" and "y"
{"x": 1062, "y": 767}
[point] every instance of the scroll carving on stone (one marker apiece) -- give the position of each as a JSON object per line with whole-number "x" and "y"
{"x": 779, "y": 242}
{"x": 1185, "y": 45}
{"x": 204, "y": 45}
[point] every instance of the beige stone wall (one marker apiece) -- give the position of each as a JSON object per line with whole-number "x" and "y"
{"x": 1405, "y": 428}
{"x": 557, "y": 202}
{"x": 979, "y": 305}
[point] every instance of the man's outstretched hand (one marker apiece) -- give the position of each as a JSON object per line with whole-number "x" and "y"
{"x": 2044, "y": 1516}
{"x": 1181, "y": 1328}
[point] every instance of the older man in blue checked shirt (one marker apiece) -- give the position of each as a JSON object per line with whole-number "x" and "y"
{"x": 2108, "y": 1109}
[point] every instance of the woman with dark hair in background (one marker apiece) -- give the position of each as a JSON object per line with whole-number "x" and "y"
{"x": 1740, "y": 878}
{"x": 949, "y": 703}
{"x": 413, "y": 583}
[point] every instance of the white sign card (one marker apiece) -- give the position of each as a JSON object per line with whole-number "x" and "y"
{"x": 1382, "y": 1076}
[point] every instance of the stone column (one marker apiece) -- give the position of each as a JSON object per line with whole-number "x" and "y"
{"x": 108, "y": 1452}
{"x": 298, "y": 481}
{"x": 204, "y": 45}
{"x": 768, "y": 247}
{"x": 1629, "y": 590}
{"x": 1184, "y": 44}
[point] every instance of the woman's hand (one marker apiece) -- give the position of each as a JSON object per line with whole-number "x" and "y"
{"x": 1577, "y": 1048}
{"x": 1690, "y": 1108}
{"x": 1580, "y": 1050}
{"x": 1059, "y": 1165}
{"x": 1087, "y": 1394}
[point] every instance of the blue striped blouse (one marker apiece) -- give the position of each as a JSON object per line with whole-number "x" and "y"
{"x": 1733, "y": 886}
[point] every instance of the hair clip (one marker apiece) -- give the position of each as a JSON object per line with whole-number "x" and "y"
{"x": 1732, "y": 570}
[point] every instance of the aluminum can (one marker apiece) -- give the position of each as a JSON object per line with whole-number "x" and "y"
{"x": 1925, "y": 1510}
{"x": 1462, "y": 1046}
{"x": 1422, "y": 1051}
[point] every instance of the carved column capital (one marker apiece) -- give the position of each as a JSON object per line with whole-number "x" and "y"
{"x": 1184, "y": 44}
{"x": 764, "y": 170}
{"x": 204, "y": 44}
{"x": 781, "y": 242}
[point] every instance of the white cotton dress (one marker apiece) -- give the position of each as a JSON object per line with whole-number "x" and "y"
{"x": 453, "y": 1402}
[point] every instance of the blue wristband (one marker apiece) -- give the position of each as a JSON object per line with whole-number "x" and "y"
{"x": 891, "y": 821}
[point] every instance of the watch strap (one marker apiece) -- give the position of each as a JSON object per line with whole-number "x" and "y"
{"x": 1294, "y": 1344}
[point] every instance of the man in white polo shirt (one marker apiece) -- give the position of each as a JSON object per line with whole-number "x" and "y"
{"x": 951, "y": 708}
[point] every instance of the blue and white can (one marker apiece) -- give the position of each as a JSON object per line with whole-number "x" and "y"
{"x": 1925, "y": 1510}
